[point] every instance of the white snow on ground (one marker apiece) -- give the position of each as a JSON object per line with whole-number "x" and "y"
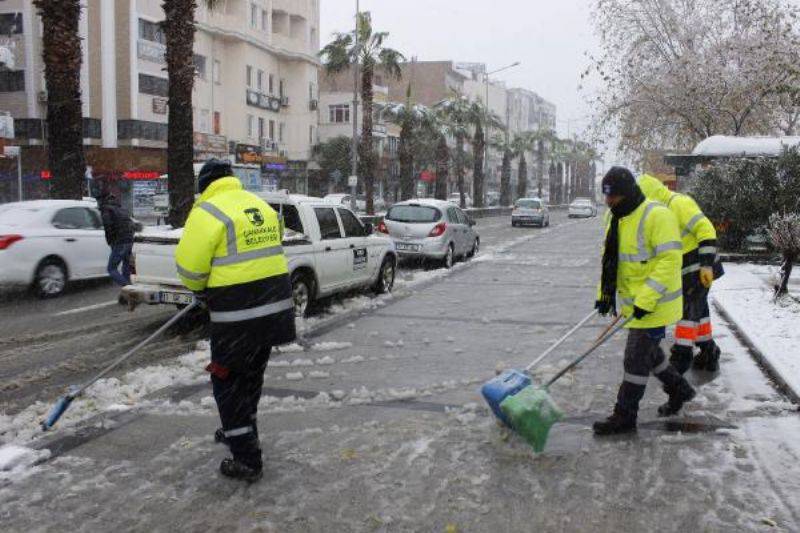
{"x": 771, "y": 327}
{"x": 331, "y": 346}
{"x": 15, "y": 461}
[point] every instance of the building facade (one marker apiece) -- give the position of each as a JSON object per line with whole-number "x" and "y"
{"x": 254, "y": 100}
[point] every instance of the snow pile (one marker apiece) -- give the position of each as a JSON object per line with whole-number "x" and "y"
{"x": 294, "y": 376}
{"x": 331, "y": 346}
{"x": 16, "y": 460}
{"x": 770, "y": 327}
{"x": 327, "y": 360}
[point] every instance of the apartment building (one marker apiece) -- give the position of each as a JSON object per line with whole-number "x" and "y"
{"x": 530, "y": 112}
{"x": 255, "y": 95}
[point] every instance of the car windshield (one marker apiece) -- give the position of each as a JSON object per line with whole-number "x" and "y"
{"x": 413, "y": 213}
{"x": 529, "y": 204}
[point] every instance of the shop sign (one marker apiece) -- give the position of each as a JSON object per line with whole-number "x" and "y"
{"x": 138, "y": 175}
{"x": 217, "y": 143}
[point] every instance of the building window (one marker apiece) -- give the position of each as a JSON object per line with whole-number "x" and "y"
{"x": 151, "y": 31}
{"x": 254, "y": 16}
{"x": 340, "y": 113}
{"x": 216, "y": 72}
{"x": 200, "y": 66}
{"x": 260, "y": 128}
{"x": 203, "y": 125}
{"x": 264, "y": 20}
{"x": 251, "y": 126}
{"x": 280, "y": 88}
{"x": 12, "y": 81}
{"x": 153, "y": 85}
{"x": 311, "y": 135}
{"x": 311, "y": 91}
{"x": 217, "y": 123}
{"x": 272, "y": 130}
{"x": 271, "y": 84}
{"x": 281, "y": 131}
{"x": 249, "y": 77}
{"x": 260, "y": 80}
{"x": 10, "y": 23}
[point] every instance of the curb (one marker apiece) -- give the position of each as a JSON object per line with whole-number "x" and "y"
{"x": 758, "y": 355}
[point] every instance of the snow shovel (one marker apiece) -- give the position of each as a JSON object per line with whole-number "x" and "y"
{"x": 512, "y": 381}
{"x": 64, "y": 402}
{"x": 533, "y": 412}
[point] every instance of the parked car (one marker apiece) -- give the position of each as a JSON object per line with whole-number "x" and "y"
{"x": 492, "y": 199}
{"x": 329, "y": 251}
{"x": 455, "y": 198}
{"x": 431, "y": 229}
{"x": 45, "y": 244}
{"x": 582, "y": 207}
{"x": 530, "y": 211}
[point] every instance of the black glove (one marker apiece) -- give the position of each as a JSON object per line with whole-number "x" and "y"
{"x": 201, "y": 298}
{"x": 606, "y": 305}
{"x": 639, "y": 313}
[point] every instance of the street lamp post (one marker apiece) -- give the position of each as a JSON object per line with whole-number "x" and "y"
{"x": 354, "y": 116}
{"x": 486, "y": 133}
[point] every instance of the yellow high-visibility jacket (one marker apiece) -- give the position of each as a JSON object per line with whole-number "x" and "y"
{"x": 649, "y": 272}
{"x": 698, "y": 236}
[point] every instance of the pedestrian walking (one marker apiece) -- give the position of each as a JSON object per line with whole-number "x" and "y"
{"x": 641, "y": 265}
{"x": 230, "y": 256}
{"x": 701, "y": 266}
{"x": 119, "y": 228}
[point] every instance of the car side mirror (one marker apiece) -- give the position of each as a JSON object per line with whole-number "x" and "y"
{"x": 369, "y": 229}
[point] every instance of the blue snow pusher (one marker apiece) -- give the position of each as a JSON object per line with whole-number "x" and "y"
{"x": 501, "y": 387}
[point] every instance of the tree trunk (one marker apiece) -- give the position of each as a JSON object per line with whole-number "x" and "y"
{"x": 366, "y": 155}
{"x": 478, "y": 146}
{"x": 522, "y": 179}
{"x": 62, "y": 67}
{"x": 785, "y": 272}
{"x": 505, "y": 180}
{"x": 406, "y": 156}
{"x": 179, "y": 31}
{"x": 540, "y": 164}
{"x": 442, "y": 167}
{"x": 460, "y": 170}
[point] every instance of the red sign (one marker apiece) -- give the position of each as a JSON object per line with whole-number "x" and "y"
{"x": 427, "y": 176}
{"x": 141, "y": 175}
{"x": 45, "y": 174}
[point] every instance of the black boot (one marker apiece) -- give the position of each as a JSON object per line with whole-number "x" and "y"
{"x": 618, "y": 422}
{"x": 708, "y": 358}
{"x": 681, "y": 358}
{"x": 234, "y": 469}
{"x": 219, "y": 436}
{"x": 679, "y": 392}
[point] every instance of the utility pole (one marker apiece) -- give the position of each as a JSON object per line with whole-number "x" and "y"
{"x": 354, "y": 174}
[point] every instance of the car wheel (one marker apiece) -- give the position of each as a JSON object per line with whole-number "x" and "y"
{"x": 475, "y": 248}
{"x": 449, "y": 257}
{"x": 51, "y": 279}
{"x": 385, "y": 281}
{"x": 513, "y": 224}
{"x": 302, "y": 294}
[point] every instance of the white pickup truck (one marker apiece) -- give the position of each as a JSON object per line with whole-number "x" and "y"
{"x": 328, "y": 248}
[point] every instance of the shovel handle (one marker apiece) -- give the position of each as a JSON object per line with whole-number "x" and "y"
{"x": 605, "y": 331}
{"x": 560, "y": 341}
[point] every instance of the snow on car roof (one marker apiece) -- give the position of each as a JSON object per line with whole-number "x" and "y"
{"x": 432, "y": 202}
{"x": 727, "y": 146}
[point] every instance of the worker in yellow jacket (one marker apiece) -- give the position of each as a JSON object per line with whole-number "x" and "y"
{"x": 641, "y": 267}
{"x": 700, "y": 268}
{"x": 230, "y": 255}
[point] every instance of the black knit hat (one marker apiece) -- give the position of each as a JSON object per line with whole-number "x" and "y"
{"x": 213, "y": 169}
{"x": 619, "y": 181}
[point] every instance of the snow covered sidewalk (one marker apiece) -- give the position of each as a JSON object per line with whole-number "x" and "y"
{"x": 744, "y": 295}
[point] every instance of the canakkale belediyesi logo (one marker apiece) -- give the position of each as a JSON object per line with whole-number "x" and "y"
{"x": 255, "y": 216}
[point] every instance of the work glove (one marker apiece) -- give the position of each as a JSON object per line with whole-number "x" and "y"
{"x": 606, "y": 305}
{"x": 202, "y": 299}
{"x": 706, "y": 276}
{"x": 639, "y": 313}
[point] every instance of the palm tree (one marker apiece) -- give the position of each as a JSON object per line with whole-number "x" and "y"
{"x": 367, "y": 53}
{"x": 454, "y": 115}
{"x": 523, "y": 143}
{"x": 179, "y": 30}
{"x": 411, "y": 118}
{"x": 61, "y": 52}
{"x": 482, "y": 120}
{"x": 442, "y": 167}
{"x": 504, "y": 144}
{"x": 545, "y": 139}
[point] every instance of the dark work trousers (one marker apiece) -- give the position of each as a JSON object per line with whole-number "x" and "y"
{"x": 643, "y": 356}
{"x": 237, "y": 370}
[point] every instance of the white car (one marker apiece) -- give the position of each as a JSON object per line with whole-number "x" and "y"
{"x": 582, "y": 207}
{"x": 329, "y": 251}
{"x": 344, "y": 199}
{"x": 45, "y": 244}
{"x": 455, "y": 198}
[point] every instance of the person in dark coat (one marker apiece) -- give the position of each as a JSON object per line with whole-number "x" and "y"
{"x": 119, "y": 229}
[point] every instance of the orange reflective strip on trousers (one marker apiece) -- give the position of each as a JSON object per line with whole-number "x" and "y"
{"x": 686, "y": 333}
{"x": 704, "y": 331}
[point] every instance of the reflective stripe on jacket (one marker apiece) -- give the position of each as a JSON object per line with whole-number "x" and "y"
{"x": 698, "y": 236}
{"x": 649, "y": 272}
{"x": 231, "y": 247}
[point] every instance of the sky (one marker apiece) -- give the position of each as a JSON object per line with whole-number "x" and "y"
{"x": 548, "y": 37}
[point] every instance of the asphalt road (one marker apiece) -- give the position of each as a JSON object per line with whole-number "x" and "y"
{"x": 385, "y": 430}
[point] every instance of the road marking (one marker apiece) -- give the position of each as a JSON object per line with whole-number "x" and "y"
{"x": 86, "y": 308}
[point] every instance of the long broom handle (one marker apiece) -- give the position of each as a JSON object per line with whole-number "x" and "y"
{"x": 599, "y": 342}
{"x": 135, "y": 349}
{"x": 560, "y": 341}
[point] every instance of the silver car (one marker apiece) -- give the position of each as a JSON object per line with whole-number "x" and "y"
{"x": 431, "y": 229}
{"x": 582, "y": 207}
{"x": 530, "y": 211}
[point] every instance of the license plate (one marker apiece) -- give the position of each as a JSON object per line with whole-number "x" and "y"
{"x": 401, "y": 247}
{"x": 180, "y": 298}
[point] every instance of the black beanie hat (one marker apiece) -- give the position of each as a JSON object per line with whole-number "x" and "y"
{"x": 213, "y": 169}
{"x": 619, "y": 181}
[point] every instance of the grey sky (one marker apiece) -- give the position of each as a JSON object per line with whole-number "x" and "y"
{"x": 549, "y": 38}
